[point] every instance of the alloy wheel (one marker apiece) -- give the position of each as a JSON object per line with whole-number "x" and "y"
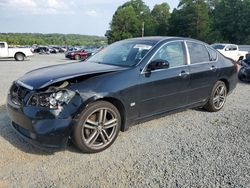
{"x": 219, "y": 98}
{"x": 99, "y": 128}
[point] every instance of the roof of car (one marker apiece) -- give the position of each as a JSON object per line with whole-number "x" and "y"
{"x": 224, "y": 44}
{"x": 162, "y": 38}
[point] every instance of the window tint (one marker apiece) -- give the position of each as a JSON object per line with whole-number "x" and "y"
{"x": 173, "y": 53}
{"x": 2, "y": 45}
{"x": 212, "y": 54}
{"x": 218, "y": 46}
{"x": 198, "y": 53}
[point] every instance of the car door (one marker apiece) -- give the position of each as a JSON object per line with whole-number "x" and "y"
{"x": 3, "y": 50}
{"x": 203, "y": 71}
{"x": 165, "y": 89}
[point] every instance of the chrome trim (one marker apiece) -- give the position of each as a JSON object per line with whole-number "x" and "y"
{"x": 204, "y": 62}
{"x": 217, "y": 57}
{"x": 143, "y": 70}
{"x": 24, "y": 85}
{"x": 165, "y": 69}
{"x": 188, "y": 55}
{"x": 206, "y": 46}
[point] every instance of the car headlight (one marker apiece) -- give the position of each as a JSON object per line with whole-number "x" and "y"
{"x": 51, "y": 100}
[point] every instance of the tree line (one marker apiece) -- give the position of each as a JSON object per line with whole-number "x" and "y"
{"x": 207, "y": 20}
{"x": 51, "y": 39}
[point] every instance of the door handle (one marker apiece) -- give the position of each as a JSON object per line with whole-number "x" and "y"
{"x": 213, "y": 68}
{"x": 184, "y": 74}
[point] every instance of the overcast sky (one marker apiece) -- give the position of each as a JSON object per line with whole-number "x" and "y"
{"x": 90, "y": 17}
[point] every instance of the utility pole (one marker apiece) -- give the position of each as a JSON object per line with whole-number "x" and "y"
{"x": 143, "y": 24}
{"x": 142, "y": 29}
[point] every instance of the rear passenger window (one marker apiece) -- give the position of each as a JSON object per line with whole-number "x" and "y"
{"x": 212, "y": 54}
{"x": 2, "y": 45}
{"x": 198, "y": 53}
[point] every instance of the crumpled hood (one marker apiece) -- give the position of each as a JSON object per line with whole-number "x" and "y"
{"x": 46, "y": 76}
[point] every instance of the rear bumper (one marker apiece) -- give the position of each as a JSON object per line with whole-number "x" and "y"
{"x": 43, "y": 132}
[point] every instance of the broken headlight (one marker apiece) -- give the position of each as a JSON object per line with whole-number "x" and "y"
{"x": 52, "y": 99}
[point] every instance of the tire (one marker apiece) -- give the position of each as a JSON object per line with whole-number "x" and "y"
{"x": 217, "y": 97}
{"x": 97, "y": 128}
{"x": 77, "y": 57}
{"x": 19, "y": 57}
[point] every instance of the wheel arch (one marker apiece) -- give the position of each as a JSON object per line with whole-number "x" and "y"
{"x": 226, "y": 83}
{"x": 19, "y": 53}
{"x": 116, "y": 102}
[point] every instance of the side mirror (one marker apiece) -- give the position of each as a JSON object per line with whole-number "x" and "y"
{"x": 226, "y": 49}
{"x": 158, "y": 64}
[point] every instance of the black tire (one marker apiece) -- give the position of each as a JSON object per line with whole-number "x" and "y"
{"x": 97, "y": 128}
{"x": 19, "y": 57}
{"x": 217, "y": 97}
{"x": 77, "y": 57}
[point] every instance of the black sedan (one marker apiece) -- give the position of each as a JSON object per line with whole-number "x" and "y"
{"x": 125, "y": 83}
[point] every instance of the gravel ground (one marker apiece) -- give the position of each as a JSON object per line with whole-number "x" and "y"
{"x": 192, "y": 148}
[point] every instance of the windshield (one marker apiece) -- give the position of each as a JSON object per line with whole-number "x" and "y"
{"x": 123, "y": 53}
{"x": 218, "y": 46}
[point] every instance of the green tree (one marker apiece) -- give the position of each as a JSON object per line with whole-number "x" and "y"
{"x": 125, "y": 24}
{"x": 50, "y": 39}
{"x": 128, "y": 20}
{"x": 161, "y": 16}
{"x": 231, "y": 19}
{"x": 191, "y": 19}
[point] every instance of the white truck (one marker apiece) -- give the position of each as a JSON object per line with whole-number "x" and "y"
{"x": 18, "y": 53}
{"x": 230, "y": 50}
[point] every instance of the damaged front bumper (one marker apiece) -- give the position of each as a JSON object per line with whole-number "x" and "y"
{"x": 44, "y": 127}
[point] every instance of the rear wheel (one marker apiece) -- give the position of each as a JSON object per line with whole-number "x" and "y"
{"x": 19, "y": 57}
{"x": 217, "y": 98}
{"x": 98, "y": 127}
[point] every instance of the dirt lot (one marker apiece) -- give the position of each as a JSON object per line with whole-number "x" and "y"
{"x": 188, "y": 149}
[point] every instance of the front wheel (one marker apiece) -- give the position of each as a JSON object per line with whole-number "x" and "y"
{"x": 98, "y": 127}
{"x": 217, "y": 97}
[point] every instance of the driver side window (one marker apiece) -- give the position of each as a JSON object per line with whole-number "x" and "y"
{"x": 2, "y": 45}
{"x": 173, "y": 53}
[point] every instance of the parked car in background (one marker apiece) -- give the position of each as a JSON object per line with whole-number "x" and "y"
{"x": 18, "y": 53}
{"x": 230, "y": 50}
{"x": 60, "y": 49}
{"x": 244, "y": 72}
{"x": 79, "y": 54}
{"x": 53, "y": 50}
{"x": 127, "y": 82}
{"x": 71, "y": 49}
{"x": 42, "y": 50}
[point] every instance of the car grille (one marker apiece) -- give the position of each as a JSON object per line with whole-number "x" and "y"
{"x": 18, "y": 93}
